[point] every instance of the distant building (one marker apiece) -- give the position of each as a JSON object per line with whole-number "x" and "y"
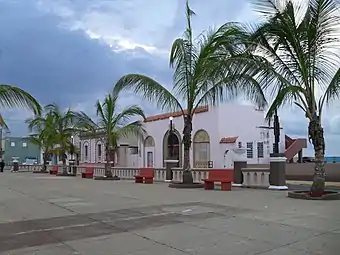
{"x": 22, "y": 148}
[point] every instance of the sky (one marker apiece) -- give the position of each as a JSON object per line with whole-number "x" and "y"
{"x": 71, "y": 52}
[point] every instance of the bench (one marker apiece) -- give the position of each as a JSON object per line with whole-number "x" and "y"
{"x": 88, "y": 173}
{"x": 54, "y": 170}
{"x": 146, "y": 175}
{"x": 224, "y": 176}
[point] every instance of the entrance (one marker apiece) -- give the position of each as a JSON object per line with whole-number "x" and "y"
{"x": 149, "y": 159}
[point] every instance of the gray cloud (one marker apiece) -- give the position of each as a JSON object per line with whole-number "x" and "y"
{"x": 58, "y": 65}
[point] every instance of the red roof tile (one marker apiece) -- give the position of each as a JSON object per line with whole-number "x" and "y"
{"x": 231, "y": 139}
{"x": 164, "y": 116}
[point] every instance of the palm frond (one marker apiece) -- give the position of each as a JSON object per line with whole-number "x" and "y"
{"x": 148, "y": 89}
{"x": 11, "y": 96}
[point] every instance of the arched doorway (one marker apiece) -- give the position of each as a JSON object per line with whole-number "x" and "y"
{"x": 149, "y": 152}
{"x": 172, "y": 148}
{"x": 201, "y": 149}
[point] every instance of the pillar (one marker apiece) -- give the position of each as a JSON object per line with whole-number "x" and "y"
{"x": 277, "y": 176}
{"x": 169, "y": 164}
{"x": 122, "y": 155}
{"x": 238, "y": 176}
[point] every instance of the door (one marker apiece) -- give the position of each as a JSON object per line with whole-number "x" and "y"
{"x": 228, "y": 160}
{"x": 149, "y": 159}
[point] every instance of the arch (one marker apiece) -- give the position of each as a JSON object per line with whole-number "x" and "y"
{"x": 99, "y": 151}
{"x": 149, "y": 142}
{"x": 86, "y": 153}
{"x": 149, "y": 151}
{"x": 176, "y": 140}
{"x": 201, "y": 149}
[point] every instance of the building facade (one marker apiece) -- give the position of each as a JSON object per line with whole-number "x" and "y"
{"x": 21, "y": 148}
{"x": 216, "y": 132}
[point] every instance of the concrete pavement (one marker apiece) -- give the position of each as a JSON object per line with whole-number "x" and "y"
{"x": 43, "y": 214}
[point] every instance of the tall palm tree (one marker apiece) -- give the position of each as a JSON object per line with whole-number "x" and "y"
{"x": 11, "y": 97}
{"x": 199, "y": 78}
{"x": 113, "y": 125}
{"x": 295, "y": 50}
{"x": 43, "y": 135}
{"x": 64, "y": 126}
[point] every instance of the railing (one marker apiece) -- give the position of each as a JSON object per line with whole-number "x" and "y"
{"x": 255, "y": 177}
{"x": 128, "y": 173}
{"x": 24, "y": 168}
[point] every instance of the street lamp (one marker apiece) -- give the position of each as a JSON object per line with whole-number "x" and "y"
{"x": 170, "y": 138}
{"x": 71, "y": 161}
{"x": 276, "y": 133}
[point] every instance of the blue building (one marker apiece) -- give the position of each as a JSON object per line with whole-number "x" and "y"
{"x": 22, "y": 148}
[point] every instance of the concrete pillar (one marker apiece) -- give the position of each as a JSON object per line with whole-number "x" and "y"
{"x": 122, "y": 155}
{"x": 169, "y": 164}
{"x": 277, "y": 176}
{"x": 240, "y": 161}
{"x": 238, "y": 176}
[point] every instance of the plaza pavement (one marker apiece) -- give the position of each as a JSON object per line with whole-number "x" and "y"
{"x": 43, "y": 214}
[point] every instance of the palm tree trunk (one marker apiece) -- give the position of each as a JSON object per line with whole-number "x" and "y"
{"x": 108, "y": 172}
{"x": 315, "y": 132}
{"x": 45, "y": 158}
{"x": 187, "y": 176}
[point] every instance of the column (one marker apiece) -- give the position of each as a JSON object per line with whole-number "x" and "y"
{"x": 277, "y": 176}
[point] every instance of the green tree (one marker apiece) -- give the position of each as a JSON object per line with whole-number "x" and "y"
{"x": 11, "y": 97}
{"x": 113, "y": 125}
{"x": 43, "y": 135}
{"x": 294, "y": 50}
{"x": 65, "y": 125}
{"x": 202, "y": 76}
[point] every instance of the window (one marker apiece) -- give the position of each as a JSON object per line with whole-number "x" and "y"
{"x": 134, "y": 150}
{"x": 12, "y": 144}
{"x": 24, "y": 144}
{"x": 250, "y": 150}
{"x": 240, "y": 144}
{"x": 86, "y": 151}
{"x": 260, "y": 150}
{"x": 99, "y": 151}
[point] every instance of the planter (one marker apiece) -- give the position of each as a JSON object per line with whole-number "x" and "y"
{"x": 181, "y": 185}
{"x": 305, "y": 194}
{"x": 106, "y": 178}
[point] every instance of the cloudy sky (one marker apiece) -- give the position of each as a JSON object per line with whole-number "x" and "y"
{"x": 72, "y": 51}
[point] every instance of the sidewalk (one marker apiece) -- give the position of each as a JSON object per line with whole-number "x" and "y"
{"x": 309, "y": 183}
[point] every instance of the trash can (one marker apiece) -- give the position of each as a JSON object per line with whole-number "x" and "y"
{"x": 15, "y": 165}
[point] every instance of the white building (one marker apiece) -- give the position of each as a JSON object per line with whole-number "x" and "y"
{"x": 216, "y": 131}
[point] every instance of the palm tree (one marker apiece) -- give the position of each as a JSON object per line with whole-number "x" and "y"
{"x": 11, "y": 97}
{"x": 113, "y": 125}
{"x": 43, "y": 135}
{"x": 199, "y": 78}
{"x": 294, "y": 51}
{"x": 64, "y": 127}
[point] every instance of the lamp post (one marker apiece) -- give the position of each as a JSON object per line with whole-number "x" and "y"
{"x": 170, "y": 138}
{"x": 73, "y": 169}
{"x": 170, "y": 156}
{"x": 276, "y": 133}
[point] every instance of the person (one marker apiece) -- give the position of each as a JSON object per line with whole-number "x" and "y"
{"x": 2, "y": 165}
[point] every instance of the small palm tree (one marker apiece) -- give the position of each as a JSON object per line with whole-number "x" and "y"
{"x": 11, "y": 97}
{"x": 294, "y": 51}
{"x": 202, "y": 76}
{"x": 64, "y": 127}
{"x": 114, "y": 125}
{"x": 43, "y": 134}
